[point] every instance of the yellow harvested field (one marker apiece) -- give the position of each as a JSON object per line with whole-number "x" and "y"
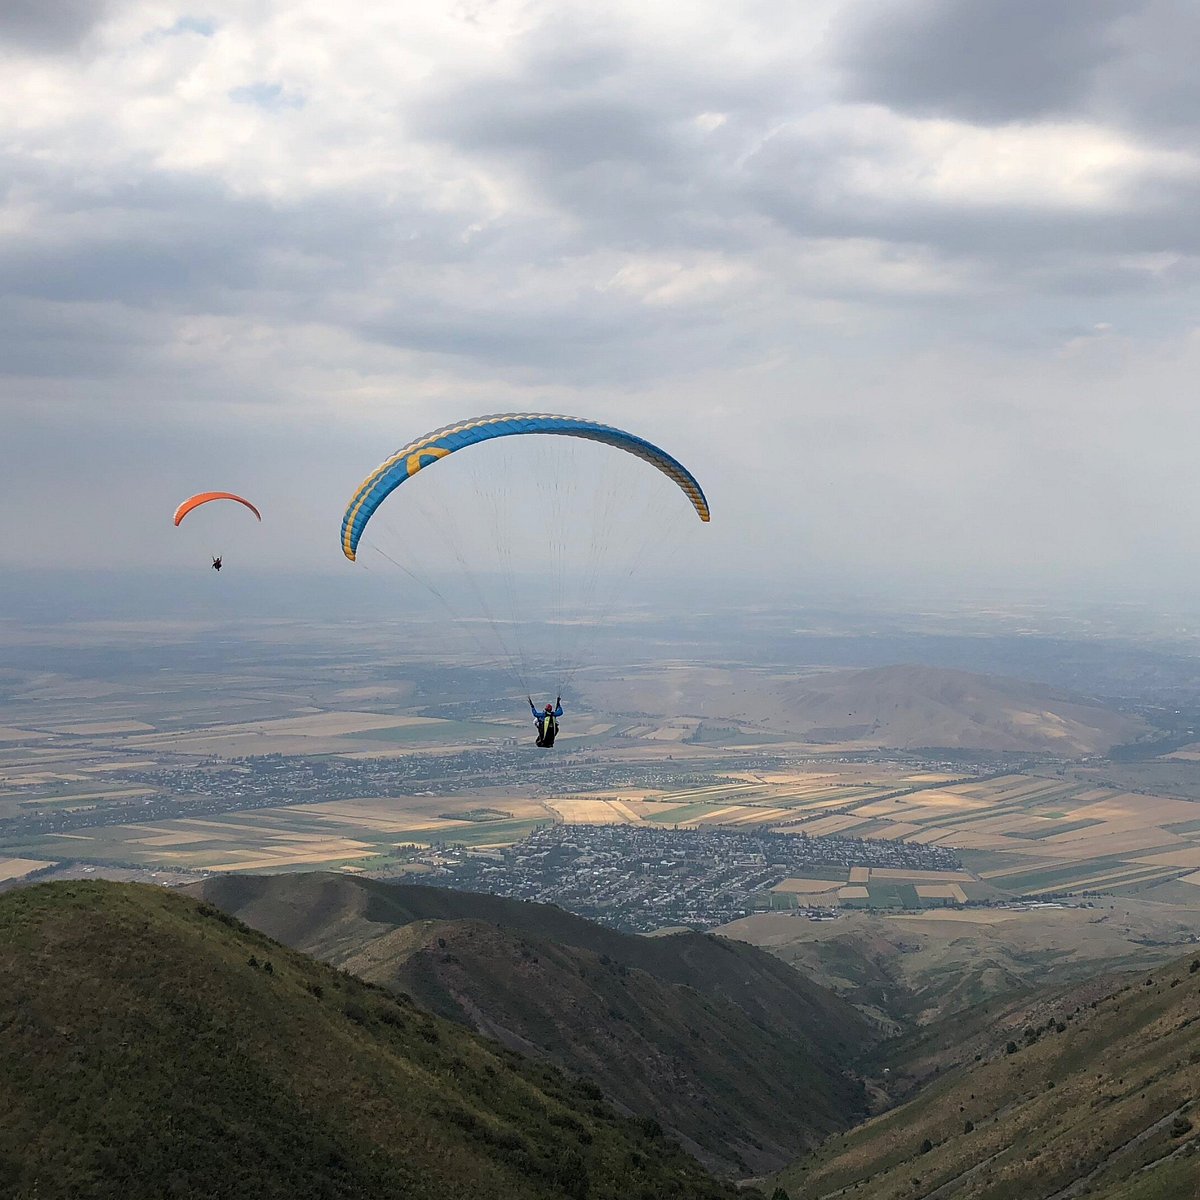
{"x": 655, "y": 810}
{"x": 217, "y": 830}
{"x": 807, "y": 887}
{"x": 1108, "y": 878}
{"x": 140, "y": 764}
{"x": 406, "y": 808}
{"x": 879, "y": 873}
{"x": 594, "y": 812}
{"x": 965, "y": 839}
{"x": 889, "y": 810}
{"x": 831, "y": 824}
{"x": 115, "y": 794}
{"x": 945, "y": 837}
{"x": 241, "y": 745}
{"x": 1086, "y": 798}
{"x": 818, "y": 805}
{"x": 375, "y": 691}
{"x": 714, "y": 792}
{"x": 379, "y": 822}
{"x": 719, "y": 815}
{"x": 330, "y": 724}
{"x": 777, "y": 778}
{"x": 1103, "y": 845}
{"x": 1193, "y": 879}
{"x": 748, "y": 815}
{"x": 173, "y": 838}
{"x": 42, "y": 778}
{"x": 853, "y": 893}
{"x": 18, "y": 868}
{"x": 290, "y": 858}
{"x": 897, "y": 831}
{"x": 9, "y": 733}
{"x": 675, "y": 731}
{"x": 594, "y": 729}
{"x": 1185, "y": 856}
{"x": 1143, "y": 810}
{"x": 312, "y": 733}
{"x": 624, "y": 811}
{"x": 859, "y": 874}
{"x": 99, "y": 727}
{"x": 954, "y": 801}
{"x": 941, "y": 891}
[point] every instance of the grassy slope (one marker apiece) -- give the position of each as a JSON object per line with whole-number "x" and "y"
{"x": 730, "y": 1049}
{"x": 141, "y": 1054}
{"x": 1104, "y": 1102}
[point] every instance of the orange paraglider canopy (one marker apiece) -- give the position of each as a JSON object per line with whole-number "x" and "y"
{"x": 204, "y": 497}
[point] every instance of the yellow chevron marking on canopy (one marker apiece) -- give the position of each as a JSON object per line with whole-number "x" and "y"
{"x": 427, "y": 447}
{"x": 417, "y": 460}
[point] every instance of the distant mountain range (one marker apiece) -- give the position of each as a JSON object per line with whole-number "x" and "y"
{"x": 732, "y": 1051}
{"x": 897, "y": 707}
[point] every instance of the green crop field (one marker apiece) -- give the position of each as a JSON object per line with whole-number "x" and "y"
{"x": 686, "y": 813}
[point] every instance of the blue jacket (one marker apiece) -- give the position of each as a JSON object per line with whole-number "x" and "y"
{"x": 539, "y": 714}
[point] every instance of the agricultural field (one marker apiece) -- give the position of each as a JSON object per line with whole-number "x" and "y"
{"x": 1033, "y": 834}
{"x": 1020, "y": 835}
{"x": 18, "y": 868}
{"x": 879, "y": 888}
{"x": 323, "y": 733}
{"x": 142, "y": 761}
{"x": 363, "y": 833}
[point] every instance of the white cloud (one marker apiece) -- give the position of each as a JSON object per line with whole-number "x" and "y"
{"x": 902, "y": 329}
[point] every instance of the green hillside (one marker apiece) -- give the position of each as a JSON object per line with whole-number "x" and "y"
{"x": 1092, "y": 1097}
{"x": 151, "y": 1046}
{"x": 731, "y": 1050}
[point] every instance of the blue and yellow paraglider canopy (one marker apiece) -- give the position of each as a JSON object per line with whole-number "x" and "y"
{"x": 410, "y": 459}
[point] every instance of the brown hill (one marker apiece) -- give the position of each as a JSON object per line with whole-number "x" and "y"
{"x": 1088, "y": 1097}
{"x": 898, "y": 707}
{"x": 917, "y": 967}
{"x": 731, "y": 1050}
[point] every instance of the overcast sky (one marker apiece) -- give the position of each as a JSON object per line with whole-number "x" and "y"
{"x": 911, "y": 285}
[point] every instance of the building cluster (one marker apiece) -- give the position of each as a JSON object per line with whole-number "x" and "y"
{"x": 641, "y": 878}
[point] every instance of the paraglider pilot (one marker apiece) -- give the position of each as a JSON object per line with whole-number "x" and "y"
{"x": 547, "y": 721}
{"x": 217, "y": 563}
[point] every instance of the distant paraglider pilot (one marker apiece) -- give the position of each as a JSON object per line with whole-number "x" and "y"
{"x": 547, "y": 721}
{"x": 201, "y": 498}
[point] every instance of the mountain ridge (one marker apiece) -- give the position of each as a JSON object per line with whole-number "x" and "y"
{"x": 152, "y": 1045}
{"x": 730, "y": 1049}
{"x": 903, "y": 706}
